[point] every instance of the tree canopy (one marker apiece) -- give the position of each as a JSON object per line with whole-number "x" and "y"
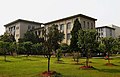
{"x": 87, "y": 41}
{"x": 74, "y": 34}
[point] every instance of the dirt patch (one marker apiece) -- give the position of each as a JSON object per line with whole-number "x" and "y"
{"x": 86, "y": 67}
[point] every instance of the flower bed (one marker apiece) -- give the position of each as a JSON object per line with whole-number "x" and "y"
{"x": 50, "y": 74}
{"x": 86, "y": 67}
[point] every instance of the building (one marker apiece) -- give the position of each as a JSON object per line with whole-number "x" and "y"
{"x": 39, "y": 32}
{"x": 117, "y": 30}
{"x": 66, "y": 24}
{"x": 106, "y": 31}
{"x": 20, "y": 26}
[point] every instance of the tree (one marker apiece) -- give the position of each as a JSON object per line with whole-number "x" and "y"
{"x": 64, "y": 48}
{"x": 4, "y": 48}
{"x": 28, "y": 48}
{"x": 101, "y": 48}
{"x": 58, "y": 54}
{"x": 20, "y": 48}
{"x": 37, "y": 48}
{"x": 30, "y": 36}
{"x": 117, "y": 45}
{"x": 52, "y": 39}
{"x": 7, "y": 37}
{"x": 13, "y": 48}
{"x": 109, "y": 43}
{"x": 57, "y": 37}
{"x": 74, "y": 33}
{"x": 87, "y": 41}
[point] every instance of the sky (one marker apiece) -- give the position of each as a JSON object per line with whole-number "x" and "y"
{"x": 105, "y": 11}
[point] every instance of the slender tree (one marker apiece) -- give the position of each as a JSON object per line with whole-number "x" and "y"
{"x": 6, "y": 39}
{"x": 13, "y": 48}
{"x": 74, "y": 36}
{"x": 87, "y": 41}
{"x": 28, "y": 48}
{"x": 4, "y": 47}
{"x": 52, "y": 39}
{"x": 109, "y": 43}
{"x": 58, "y": 54}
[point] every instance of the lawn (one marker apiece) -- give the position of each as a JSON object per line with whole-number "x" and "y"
{"x": 20, "y": 67}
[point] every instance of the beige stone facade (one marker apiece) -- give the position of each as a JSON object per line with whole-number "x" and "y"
{"x": 66, "y": 25}
{"x": 19, "y": 27}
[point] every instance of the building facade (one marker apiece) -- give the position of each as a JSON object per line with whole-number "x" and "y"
{"x": 20, "y": 26}
{"x": 117, "y": 30}
{"x": 106, "y": 31}
{"x": 39, "y": 32}
{"x": 66, "y": 24}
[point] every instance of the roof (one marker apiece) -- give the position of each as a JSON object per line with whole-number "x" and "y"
{"x": 18, "y": 20}
{"x": 105, "y": 27}
{"x": 69, "y": 18}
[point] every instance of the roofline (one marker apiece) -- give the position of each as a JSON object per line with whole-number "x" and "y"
{"x": 105, "y": 27}
{"x": 18, "y": 20}
{"x": 69, "y": 18}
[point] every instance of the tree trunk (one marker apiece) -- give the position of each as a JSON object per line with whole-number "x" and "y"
{"x": 77, "y": 57}
{"x": 77, "y": 60}
{"x": 27, "y": 55}
{"x": 58, "y": 59}
{"x": 5, "y": 58}
{"x": 74, "y": 56}
{"x": 49, "y": 63}
{"x": 87, "y": 59}
{"x": 108, "y": 58}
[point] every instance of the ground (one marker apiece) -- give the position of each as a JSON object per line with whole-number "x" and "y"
{"x": 35, "y": 65}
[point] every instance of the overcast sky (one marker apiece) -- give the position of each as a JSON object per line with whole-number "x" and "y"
{"x": 106, "y": 11}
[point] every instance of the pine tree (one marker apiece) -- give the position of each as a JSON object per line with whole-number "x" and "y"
{"x": 74, "y": 33}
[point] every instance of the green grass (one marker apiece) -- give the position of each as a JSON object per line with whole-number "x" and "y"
{"x": 20, "y": 67}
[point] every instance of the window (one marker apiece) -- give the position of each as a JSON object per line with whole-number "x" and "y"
{"x": 17, "y": 35}
{"x": 98, "y": 34}
{"x": 88, "y": 24}
{"x": 17, "y": 27}
{"x": 29, "y": 27}
{"x": 35, "y": 32}
{"x": 33, "y": 27}
{"x": 39, "y": 32}
{"x": 110, "y": 32}
{"x": 9, "y": 29}
{"x": 69, "y": 25}
{"x": 62, "y": 27}
{"x": 102, "y": 33}
{"x": 101, "y": 29}
{"x": 98, "y": 29}
{"x": 92, "y": 26}
{"x": 14, "y": 27}
{"x": 68, "y": 36}
{"x": 14, "y": 33}
{"x": 84, "y": 24}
